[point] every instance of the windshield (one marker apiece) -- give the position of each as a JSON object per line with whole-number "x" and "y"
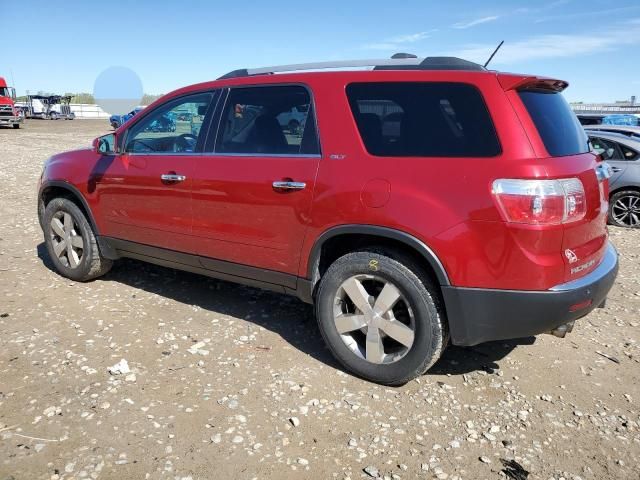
{"x": 557, "y": 125}
{"x": 5, "y": 92}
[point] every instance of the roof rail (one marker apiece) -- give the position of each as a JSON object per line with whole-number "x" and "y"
{"x": 401, "y": 61}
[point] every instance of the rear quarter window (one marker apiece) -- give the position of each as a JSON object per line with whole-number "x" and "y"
{"x": 556, "y": 123}
{"x": 423, "y": 119}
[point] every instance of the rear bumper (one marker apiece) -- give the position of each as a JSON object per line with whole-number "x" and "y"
{"x": 480, "y": 315}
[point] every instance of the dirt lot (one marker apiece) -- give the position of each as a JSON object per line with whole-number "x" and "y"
{"x": 226, "y": 407}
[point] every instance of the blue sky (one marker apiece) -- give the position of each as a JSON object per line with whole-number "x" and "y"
{"x": 63, "y": 45}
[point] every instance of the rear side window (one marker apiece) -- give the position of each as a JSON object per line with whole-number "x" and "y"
{"x": 270, "y": 120}
{"x": 423, "y": 119}
{"x": 557, "y": 125}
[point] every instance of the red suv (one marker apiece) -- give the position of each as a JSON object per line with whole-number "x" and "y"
{"x": 419, "y": 202}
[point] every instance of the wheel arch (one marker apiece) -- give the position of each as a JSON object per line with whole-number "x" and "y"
{"x": 334, "y": 241}
{"x": 57, "y": 188}
{"x": 633, "y": 187}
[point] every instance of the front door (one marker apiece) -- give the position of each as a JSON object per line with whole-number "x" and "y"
{"x": 252, "y": 196}
{"x": 145, "y": 192}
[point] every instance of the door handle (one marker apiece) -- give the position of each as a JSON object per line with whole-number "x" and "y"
{"x": 172, "y": 177}
{"x": 288, "y": 185}
{"x": 616, "y": 169}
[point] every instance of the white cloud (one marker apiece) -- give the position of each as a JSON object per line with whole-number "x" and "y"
{"x": 395, "y": 43}
{"x": 477, "y": 21}
{"x": 555, "y": 46}
{"x": 380, "y": 46}
{"x": 411, "y": 38}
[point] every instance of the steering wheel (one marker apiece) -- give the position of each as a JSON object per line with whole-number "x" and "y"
{"x": 184, "y": 143}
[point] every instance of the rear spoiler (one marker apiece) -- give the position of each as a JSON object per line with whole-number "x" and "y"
{"x": 522, "y": 82}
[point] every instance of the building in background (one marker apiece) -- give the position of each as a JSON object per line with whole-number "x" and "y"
{"x": 626, "y": 112}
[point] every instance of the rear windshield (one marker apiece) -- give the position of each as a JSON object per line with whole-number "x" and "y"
{"x": 423, "y": 119}
{"x": 557, "y": 125}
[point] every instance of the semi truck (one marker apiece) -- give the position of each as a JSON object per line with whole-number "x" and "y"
{"x": 52, "y": 107}
{"x": 9, "y": 115}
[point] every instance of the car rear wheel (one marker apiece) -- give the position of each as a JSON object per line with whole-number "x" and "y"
{"x": 16, "y": 125}
{"x": 624, "y": 209}
{"x": 380, "y": 316}
{"x": 71, "y": 242}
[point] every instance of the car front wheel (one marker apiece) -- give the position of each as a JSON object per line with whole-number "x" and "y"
{"x": 379, "y": 315}
{"x": 71, "y": 242}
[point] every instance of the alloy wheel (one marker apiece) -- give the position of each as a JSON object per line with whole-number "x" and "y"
{"x": 68, "y": 244}
{"x": 626, "y": 210}
{"x": 374, "y": 319}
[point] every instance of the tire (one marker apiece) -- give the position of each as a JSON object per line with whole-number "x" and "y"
{"x": 624, "y": 209}
{"x": 87, "y": 263}
{"x": 419, "y": 308}
{"x": 53, "y": 116}
{"x": 16, "y": 125}
{"x": 114, "y": 125}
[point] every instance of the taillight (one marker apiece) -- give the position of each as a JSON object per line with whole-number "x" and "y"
{"x": 540, "y": 202}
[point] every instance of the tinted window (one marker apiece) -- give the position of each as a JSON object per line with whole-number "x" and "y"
{"x": 401, "y": 119}
{"x": 557, "y": 125}
{"x": 268, "y": 120}
{"x": 628, "y": 153}
{"x": 173, "y": 127}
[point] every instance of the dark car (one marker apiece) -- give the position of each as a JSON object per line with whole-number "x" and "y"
{"x": 623, "y": 154}
{"x": 424, "y": 202}
{"x": 117, "y": 120}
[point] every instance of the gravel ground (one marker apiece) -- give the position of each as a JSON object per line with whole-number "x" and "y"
{"x": 226, "y": 381}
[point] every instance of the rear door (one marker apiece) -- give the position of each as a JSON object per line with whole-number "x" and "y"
{"x": 252, "y": 195}
{"x": 565, "y": 153}
{"x": 145, "y": 192}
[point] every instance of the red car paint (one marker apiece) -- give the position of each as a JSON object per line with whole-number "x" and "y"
{"x": 228, "y": 210}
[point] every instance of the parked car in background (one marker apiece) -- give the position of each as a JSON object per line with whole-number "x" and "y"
{"x": 117, "y": 120}
{"x": 293, "y": 120}
{"x": 623, "y": 154}
{"x": 440, "y": 202}
{"x": 164, "y": 123}
{"x": 621, "y": 119}
{"x": 629, "y": 131}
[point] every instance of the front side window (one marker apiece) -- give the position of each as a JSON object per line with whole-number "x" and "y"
{"x": 423, "y": 119}
{"x": 174, "y": 127}
{"x": 268, "y": 120}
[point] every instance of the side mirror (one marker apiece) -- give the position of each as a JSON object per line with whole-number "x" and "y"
{"x": 105, "y": 145}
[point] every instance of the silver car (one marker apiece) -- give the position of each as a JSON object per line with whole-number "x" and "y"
{"x": 627, "y": 130}
{"x": 622, "y": 152}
